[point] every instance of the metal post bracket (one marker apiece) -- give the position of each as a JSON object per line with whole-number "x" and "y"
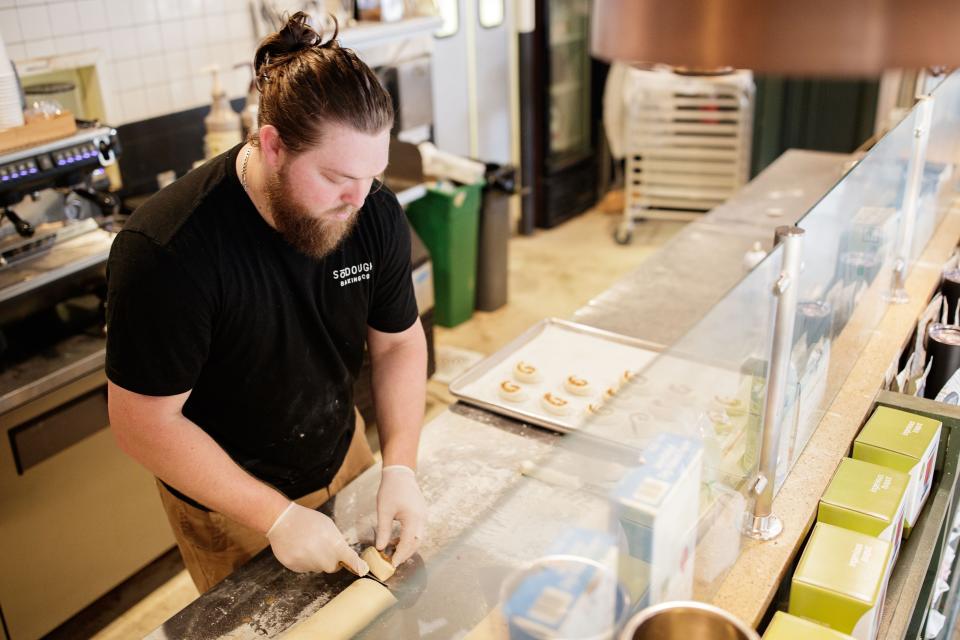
{"x": 760, "y": 523}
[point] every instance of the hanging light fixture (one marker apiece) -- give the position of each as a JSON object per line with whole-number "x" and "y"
{"x": 789, "y": 37}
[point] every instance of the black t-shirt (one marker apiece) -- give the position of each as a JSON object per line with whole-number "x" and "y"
{"x": 204, "y": 295}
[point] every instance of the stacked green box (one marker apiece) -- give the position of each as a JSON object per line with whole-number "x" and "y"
{"x": 447, "y": 219}
{"x": 906, "y": 442}
{"x": 868, "y": 498}
{"x": 841, "y": 580}
{"x": 787, "y": 627}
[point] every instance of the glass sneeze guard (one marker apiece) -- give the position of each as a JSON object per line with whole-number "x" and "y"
{"x": 653, "y": 488}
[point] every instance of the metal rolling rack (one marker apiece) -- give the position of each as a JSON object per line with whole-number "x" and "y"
{"x": 687, "y": 144}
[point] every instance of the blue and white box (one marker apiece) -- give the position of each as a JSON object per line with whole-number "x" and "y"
{"x": 656, "y": 507}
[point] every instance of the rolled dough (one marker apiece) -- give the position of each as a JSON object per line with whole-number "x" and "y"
{"x": 347, "y": 614}
{"x": 379, "y": 566}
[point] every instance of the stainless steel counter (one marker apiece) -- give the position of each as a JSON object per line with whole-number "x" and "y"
{"x": 57, "y": 366}
{"x": 662, "y": 299}
{"x": 486, "y": 519}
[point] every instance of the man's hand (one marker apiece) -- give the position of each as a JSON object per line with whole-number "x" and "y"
{"x": 306, "y": 540}
{"x": 400, "y": 499}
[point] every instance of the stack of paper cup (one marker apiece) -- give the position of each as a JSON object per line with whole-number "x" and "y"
{"x": 11, "y": 108}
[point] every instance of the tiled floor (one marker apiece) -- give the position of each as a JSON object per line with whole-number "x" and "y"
{"x": 552, "y": 273}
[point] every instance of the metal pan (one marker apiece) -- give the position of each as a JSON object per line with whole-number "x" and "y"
{"x": 464, "y": 387}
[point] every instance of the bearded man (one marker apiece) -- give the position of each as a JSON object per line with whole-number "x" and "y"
{"x": 241, "y": 299}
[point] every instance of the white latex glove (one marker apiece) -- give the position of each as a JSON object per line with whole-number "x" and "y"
{"x": 399, "y": 499}
{"x": 306, "y": 540}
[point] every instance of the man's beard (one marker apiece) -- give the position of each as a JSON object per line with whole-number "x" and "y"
{"x": 316, "y": 237}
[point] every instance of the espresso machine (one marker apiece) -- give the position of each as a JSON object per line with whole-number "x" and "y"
{"x": 53, "y": 199}
{"x": 78, "y": 516}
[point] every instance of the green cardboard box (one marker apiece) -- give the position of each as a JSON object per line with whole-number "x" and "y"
{"x": 841, "y": 580}
{"x": 906, "y": 442}
{"x": 787, "y": 627}
{"x": 868, "y": 498}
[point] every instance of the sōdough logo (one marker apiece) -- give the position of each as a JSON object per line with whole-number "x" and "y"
{"x": 356, "y": 273}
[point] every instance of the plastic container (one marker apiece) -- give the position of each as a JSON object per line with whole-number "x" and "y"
{"x": 49, "y": 99}
{"x": 222, "y": 124}
{"x": 447, "y": 220}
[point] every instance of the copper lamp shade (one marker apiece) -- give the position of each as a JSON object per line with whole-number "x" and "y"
{"x": 790, "y": 37}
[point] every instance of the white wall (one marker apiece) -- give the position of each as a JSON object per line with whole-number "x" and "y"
{"x": 154, "y": 49}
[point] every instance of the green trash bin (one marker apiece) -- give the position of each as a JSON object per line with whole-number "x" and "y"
{"x": 447, "y": 220}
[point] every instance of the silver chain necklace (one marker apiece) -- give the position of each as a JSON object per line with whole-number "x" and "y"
{"x": 243, "y": 168}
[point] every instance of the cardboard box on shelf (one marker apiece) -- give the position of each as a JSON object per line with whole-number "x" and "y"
{"x": 906, "y": 442}
{"x": 841, "y": 580}
{"x": 868, "y": 498}
{"x": 787, "y": 627}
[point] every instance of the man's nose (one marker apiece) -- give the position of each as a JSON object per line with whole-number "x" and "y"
{"x": 355, "y": 194}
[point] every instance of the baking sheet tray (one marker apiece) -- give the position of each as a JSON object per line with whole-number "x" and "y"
{"x": 558, "y": 348}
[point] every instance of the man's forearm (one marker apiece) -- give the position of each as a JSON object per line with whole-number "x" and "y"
{"x": 399, "y": 391}
{"x": 181, "y": 454}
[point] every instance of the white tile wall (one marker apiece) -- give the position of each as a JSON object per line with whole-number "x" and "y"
{"x": 10, "y": 26}
{"x": 41, "y": 48}
{"x": 93, "y": 16}
{"x": 69, "y": 44}
{"x": 64, "y": 19}
{"x": 154, "y": 52}
{"x": 34, "y": 23}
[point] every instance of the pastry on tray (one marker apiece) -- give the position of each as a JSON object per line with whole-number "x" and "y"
{"x": 512, "y": 392}
{"x": 555, "y": 404}
{"x": 526, "y": 372}
{"x": 577, "y": 386}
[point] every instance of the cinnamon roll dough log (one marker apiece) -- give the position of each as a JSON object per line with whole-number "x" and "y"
{"x": 347, "y": 614}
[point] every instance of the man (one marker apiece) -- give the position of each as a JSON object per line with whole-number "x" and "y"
{"x": 240, "y": 301}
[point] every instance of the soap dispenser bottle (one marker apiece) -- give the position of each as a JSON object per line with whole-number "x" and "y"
{"x": 251, "y": 105}
{"x": 222, "y": 124}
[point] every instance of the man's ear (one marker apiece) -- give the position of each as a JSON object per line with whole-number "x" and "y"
{"x": 271, "y": 146}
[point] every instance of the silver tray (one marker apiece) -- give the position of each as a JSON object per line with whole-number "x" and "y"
{"x": 459, "y": 387}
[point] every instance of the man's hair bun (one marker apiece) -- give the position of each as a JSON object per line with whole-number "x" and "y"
{"x": 295, "y": 36}
{"x": 308, "y": 81}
